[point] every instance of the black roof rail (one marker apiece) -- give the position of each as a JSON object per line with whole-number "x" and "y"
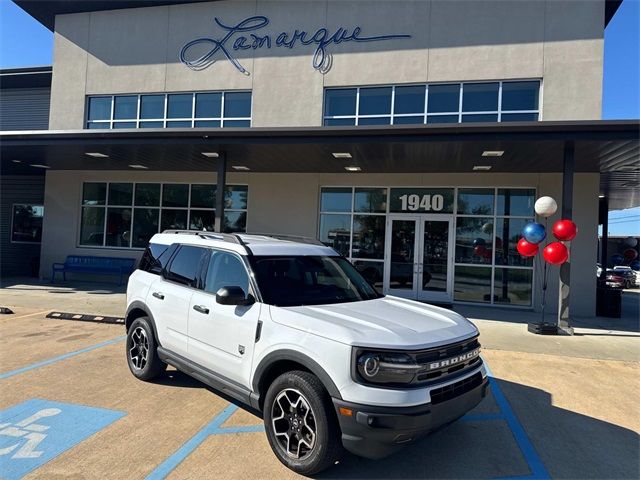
{"x": 225, "y": 237}
{"x": 290, "y": 238}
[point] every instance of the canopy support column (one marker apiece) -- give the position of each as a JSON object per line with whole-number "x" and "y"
{"x": 563, "y": 326}
{"x": 221, "y": 182}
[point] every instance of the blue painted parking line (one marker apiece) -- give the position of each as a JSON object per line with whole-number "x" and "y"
{"x": 36, "y": 431}
{"x": 59, "y": 358}
{"x": 212, "y": 428}
{"x": 538, "y": 470}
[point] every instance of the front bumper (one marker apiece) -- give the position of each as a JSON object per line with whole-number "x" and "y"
{"x": 375, "y": 432}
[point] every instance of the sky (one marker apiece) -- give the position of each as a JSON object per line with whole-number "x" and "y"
{"x": 24, "y": 42}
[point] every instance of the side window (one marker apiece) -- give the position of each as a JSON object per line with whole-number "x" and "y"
{"x": 155, "y": 257}
{"x": 185, "y": 266}
{"x": 226, "y": 270}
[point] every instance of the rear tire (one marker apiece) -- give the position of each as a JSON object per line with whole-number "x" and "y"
{"x": 141, "y": 351}
{"x": 301, "y": 424}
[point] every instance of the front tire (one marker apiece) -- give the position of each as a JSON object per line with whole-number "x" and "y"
{"x": 301, "y": 425}
{"x": 141, "y": 350}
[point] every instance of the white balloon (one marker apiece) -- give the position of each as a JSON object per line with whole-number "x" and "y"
{"x": 546, "y": 206}
{"x": 631, "y": 242}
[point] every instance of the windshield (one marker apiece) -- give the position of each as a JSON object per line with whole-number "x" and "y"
{"x": 288, "y": 281}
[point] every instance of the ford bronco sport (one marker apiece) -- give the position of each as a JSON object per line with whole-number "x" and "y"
{"x": 294, "y": 331}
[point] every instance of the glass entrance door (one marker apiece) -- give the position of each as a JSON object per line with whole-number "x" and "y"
{"x": 419, "y": 257}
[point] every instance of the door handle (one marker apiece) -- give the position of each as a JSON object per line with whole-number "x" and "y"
{"x": 158, "y": 295}
{"x": 201, "y": 309}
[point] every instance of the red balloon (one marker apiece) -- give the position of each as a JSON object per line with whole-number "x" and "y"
{"x": 479, "y": 250}
{"x": 527, "y": 249}
{"x": 630, "y": 254}
{"x": 565, "y": 230}
{"x": 555, "y": 253}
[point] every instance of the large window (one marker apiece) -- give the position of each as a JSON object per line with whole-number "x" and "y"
{"x": 489, "y": 223}
{"x": 126, "y": 215}
{"x": 26, "y": 223}
{"x": 172, "y": 110}
{"x": 511, "y": 101}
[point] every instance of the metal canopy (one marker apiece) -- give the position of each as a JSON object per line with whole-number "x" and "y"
{"x": 609, "y": 147}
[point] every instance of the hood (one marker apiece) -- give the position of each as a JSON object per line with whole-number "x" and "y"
{"x": 388, "y": 322}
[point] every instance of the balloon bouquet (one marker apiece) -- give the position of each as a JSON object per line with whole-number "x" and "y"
{"x": 554, "y": 253}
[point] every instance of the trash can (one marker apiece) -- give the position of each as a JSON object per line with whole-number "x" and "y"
{"x": 608, "y": 301}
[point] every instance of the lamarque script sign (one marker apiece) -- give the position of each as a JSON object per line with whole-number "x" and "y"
{"x": 237, "y": 37}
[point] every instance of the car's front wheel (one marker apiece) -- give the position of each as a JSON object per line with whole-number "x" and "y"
{"x": 142, "y": 354}
{"x": 300, "y": 422}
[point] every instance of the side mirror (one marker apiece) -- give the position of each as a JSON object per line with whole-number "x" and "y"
{"x": 233, "y": 296}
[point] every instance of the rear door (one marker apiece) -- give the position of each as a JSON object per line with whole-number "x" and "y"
{"x": 169, "y": 297}
{"x": 222, "y": 337}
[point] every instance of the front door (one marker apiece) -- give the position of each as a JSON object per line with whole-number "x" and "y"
{"x": 419, "y": 257}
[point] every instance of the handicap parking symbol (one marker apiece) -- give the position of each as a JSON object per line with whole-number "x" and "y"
{"x": 36, "y": 431}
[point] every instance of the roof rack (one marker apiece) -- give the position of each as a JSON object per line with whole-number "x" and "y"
{"x": 290, "y": 238}
{"x": 225, "y": 237}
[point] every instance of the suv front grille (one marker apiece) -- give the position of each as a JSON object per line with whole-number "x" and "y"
{"x": 440, "y": 363}
{"x": 442, "y": 394}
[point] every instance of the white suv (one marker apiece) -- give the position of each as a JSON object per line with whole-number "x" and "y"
{"x": 294, "y": 331}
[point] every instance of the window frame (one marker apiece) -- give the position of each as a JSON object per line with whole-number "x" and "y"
{"x": 425, "y": 115}
{"x": 158, "y": 207}
{"x": 13, "y": 212}
{"x": 165, "y": 119}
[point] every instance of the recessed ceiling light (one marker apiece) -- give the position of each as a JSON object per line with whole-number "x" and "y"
{"x": 482, "y": 168}
{"x": 37, "y": 165}
{"x": 139, "y": 167}
{"x": 97, "y": 155}
{"x": 353, "y": 168}
{"x": 600, "y": 196}
{"x": 211, "y": 154}
{"x": 16, "y": 161}
{"x": 341, "y": 155}
{"x": 492, "y": 153}
{"x": 241, "y": 168}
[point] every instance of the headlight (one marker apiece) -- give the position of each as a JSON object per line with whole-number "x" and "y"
{"x": 387, "y": 368}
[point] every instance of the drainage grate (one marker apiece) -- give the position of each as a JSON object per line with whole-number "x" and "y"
{"x": 80, "y": 317}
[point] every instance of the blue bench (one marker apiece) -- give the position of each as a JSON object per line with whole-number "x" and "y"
{"x": 94, "y": 265}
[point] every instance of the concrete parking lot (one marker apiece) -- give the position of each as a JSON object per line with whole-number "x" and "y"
{"x": 561, "y": 407}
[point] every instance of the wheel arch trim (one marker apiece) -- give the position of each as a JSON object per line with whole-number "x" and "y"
{"x": 297, "y": 357}
{"x": 137, "y": 305}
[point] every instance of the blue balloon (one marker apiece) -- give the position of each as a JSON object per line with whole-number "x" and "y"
{"x": 635, "y": 265}
{"x": 479, "y": 241}
{"x": 534, "y": 232}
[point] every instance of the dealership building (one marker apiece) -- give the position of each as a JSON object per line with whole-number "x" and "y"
{"x": 412, "y": 136}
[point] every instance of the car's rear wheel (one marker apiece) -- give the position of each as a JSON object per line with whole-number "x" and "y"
{"x": 301, "y": 425}
{"x": 142, "y": 354}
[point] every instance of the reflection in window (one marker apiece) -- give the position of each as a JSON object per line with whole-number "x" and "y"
{"x": 472, "y": 284}
{"x": 172, "y": 110}
{"x": 370, "y": 200}
{"x": 336, "y": 199}
{"x": 508, "y": 232}
{"x": 127, "y": 215}
{"x": 335, "y": 231}
{"x": 368, "y": 236}
{"x": 475, "y": 201}
{"x": 517, "y": 202}
{"x": 513, "y": 286}
{"x": 474, "y": 240}
{"x": 26, "y": 223}
{"x": 373, "y": 272}
{"x": 445, "y": 103}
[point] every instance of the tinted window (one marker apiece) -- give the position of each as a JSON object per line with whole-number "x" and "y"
{"x": 479, "y": 97}
{"x": 340, "y": 102}
{"x": 185, "y": 265}
{"x": 409, "y": 100}
{"x": 226, "y": 270}
{"x": 375, "y": 101}
{"x": 309, "y": 280}
{"x": 520, "y": 95}
{"x": 237, "y": 104}
{"x": 155, "y": 258}
{"x": 125, "y": 107}
{"x": 443, "y": 98}
{"x": 179, "y": 106}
